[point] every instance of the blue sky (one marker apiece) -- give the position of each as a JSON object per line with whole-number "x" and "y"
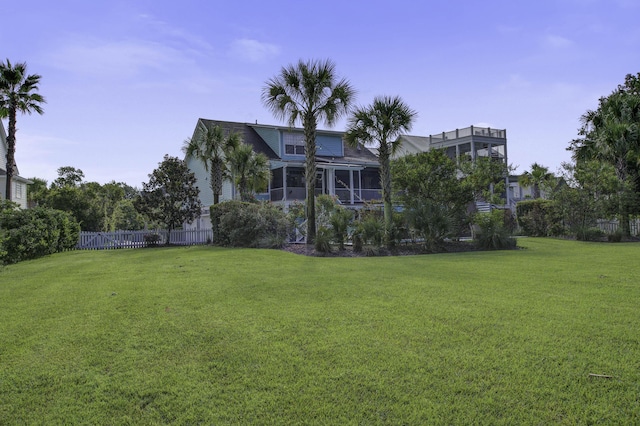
{"x": 126, "y": 81}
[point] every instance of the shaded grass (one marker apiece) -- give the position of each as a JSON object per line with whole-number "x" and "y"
{"x": 217, "y": 336}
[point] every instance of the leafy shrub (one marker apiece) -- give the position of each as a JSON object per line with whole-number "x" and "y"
{"x": 151, "y": 239}
{"x": 590, "y": 234}
{"x": 33, "y": 233}
{"x": 538, "y": 218}
{"x": 322, "y": 243}
{"x": 492, "y": 233}
{"x": 371, "y": 230}
{"x": 242, "y": 224}
{"x": 615, "y": 237}
{"x": 340, "y": 220}
{"x": 430, "y": 221}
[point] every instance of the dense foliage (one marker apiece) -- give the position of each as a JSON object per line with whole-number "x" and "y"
{"x": 611, "y": 134}
{"x": 96, "y": 207}
{"x": 428, "y": 183}
{"x": 243, "y": 224}
{"x": 492, "y": 231}
{"x": 171, "y": 195}
{"x": 537, "y": 218}
{"x": 33, "y": 233}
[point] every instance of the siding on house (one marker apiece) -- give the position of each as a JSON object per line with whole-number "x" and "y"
{"x": 19, "y": 186}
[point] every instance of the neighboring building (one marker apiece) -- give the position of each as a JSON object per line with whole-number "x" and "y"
{"x": 349, "y": 174}
{"x": 471, "y": 142}
{"x": 519, "y": 192}
{"x": 19, "y": 184}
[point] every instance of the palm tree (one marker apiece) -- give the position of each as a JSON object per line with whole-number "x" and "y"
{"x": 381, "y": 123}
{"x": 308, "y": 92}
{"x": 211, "y": 146}
{"x": 612, "y": 135}
{"x": 17, "y": 94}
{"x": 250, "y": 170}
{"x": 538, "y": 177}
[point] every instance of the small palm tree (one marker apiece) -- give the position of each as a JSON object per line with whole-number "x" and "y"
{"x": 308, "y": 92}
{"x": 250, "y": 171}
{"x": 211, "y": 146}
{"x": 381, "y": 123}
{"x": 537, "y": 178}
{"x": 18, "y": 93}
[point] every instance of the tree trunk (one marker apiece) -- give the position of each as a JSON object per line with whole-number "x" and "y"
{"x": 385, "y": 183}
{"x": 309, "y": 125}
{"x": 11, "y": 151}
{"x": 216, "y": 180}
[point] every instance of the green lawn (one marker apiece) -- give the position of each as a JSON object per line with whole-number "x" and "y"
{"x": 205, "y": 335}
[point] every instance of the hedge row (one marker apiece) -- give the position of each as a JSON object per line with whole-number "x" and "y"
{"x": 32, "y": 233}
{"x": 242, "y": 224}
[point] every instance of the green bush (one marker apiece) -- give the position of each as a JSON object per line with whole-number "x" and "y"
{"x": 340, "y": 220}
{"x": 242, "y": 224}
{"x": 492, "y": 232}
{"x": 322, "y": 243}
{"x": 615, "y": 237}
{"x": 33, "y": 233}
{"x": 590, "y": 234}
{"x": 430, "y": 221}
{"x": 151, "y": 239}
{"x": 538, "y": 218}
{"x": 370, "y": 229}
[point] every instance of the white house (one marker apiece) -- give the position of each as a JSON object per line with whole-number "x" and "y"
{"x": 19, "y": 189}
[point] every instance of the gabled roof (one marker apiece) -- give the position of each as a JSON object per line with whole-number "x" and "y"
{"x": 249, "y": 135}
{"x": 419, "y": 142}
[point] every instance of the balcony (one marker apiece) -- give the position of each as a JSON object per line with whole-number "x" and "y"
{"x": 486, "y": 132}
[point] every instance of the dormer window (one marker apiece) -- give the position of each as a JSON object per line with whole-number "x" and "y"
{"x": 293, "y": 143}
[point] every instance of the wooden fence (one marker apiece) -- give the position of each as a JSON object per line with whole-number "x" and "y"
{"x": 136, "y": 239}
{"x": 611, "y": 226}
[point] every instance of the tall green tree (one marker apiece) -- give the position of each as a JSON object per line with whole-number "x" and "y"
{"x": 249, "y": 170}
{"x": 38, "y": 191}
{"x": 18, "y": 94}
{"x": 539, "y": 177}
{"x": 171, "y": 195}
{"x": 611, "y": 133}
{"x": 211, "y": 146}
{"x": 485, "y": 178}
{"x": 308, "y": 93}
{"x": 435, "y": 200}
{"x": 380, "y": 124}
{"x": 589, "y": 194}
{"x": 68, "y": 176}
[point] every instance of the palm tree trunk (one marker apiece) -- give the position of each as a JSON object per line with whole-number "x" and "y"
{"x": 385, "y": 183}
{"x": 216, "y": 181}
{"x": 310, "y": 176}
{"x": 11, "y": 151}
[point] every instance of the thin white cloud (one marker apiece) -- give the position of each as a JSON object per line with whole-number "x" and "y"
{"x": 557, "y": 42}
{"x": 174, "y": 35}
{"x": 252, "y": 50}
{"x": 120, "y": 59}
{"x": 515, "y": 82}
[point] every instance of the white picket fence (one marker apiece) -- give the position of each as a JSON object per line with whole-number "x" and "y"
{"x": 136, "y": 239}
{"x": 611, "y": 226}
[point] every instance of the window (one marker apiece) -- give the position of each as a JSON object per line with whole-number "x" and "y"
{"x": 293, "y": 143}
{"x": 18, "y": 190}
{"x": 295, "y": 177}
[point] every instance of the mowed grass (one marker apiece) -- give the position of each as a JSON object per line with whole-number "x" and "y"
{"x": 205, "y": 335}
